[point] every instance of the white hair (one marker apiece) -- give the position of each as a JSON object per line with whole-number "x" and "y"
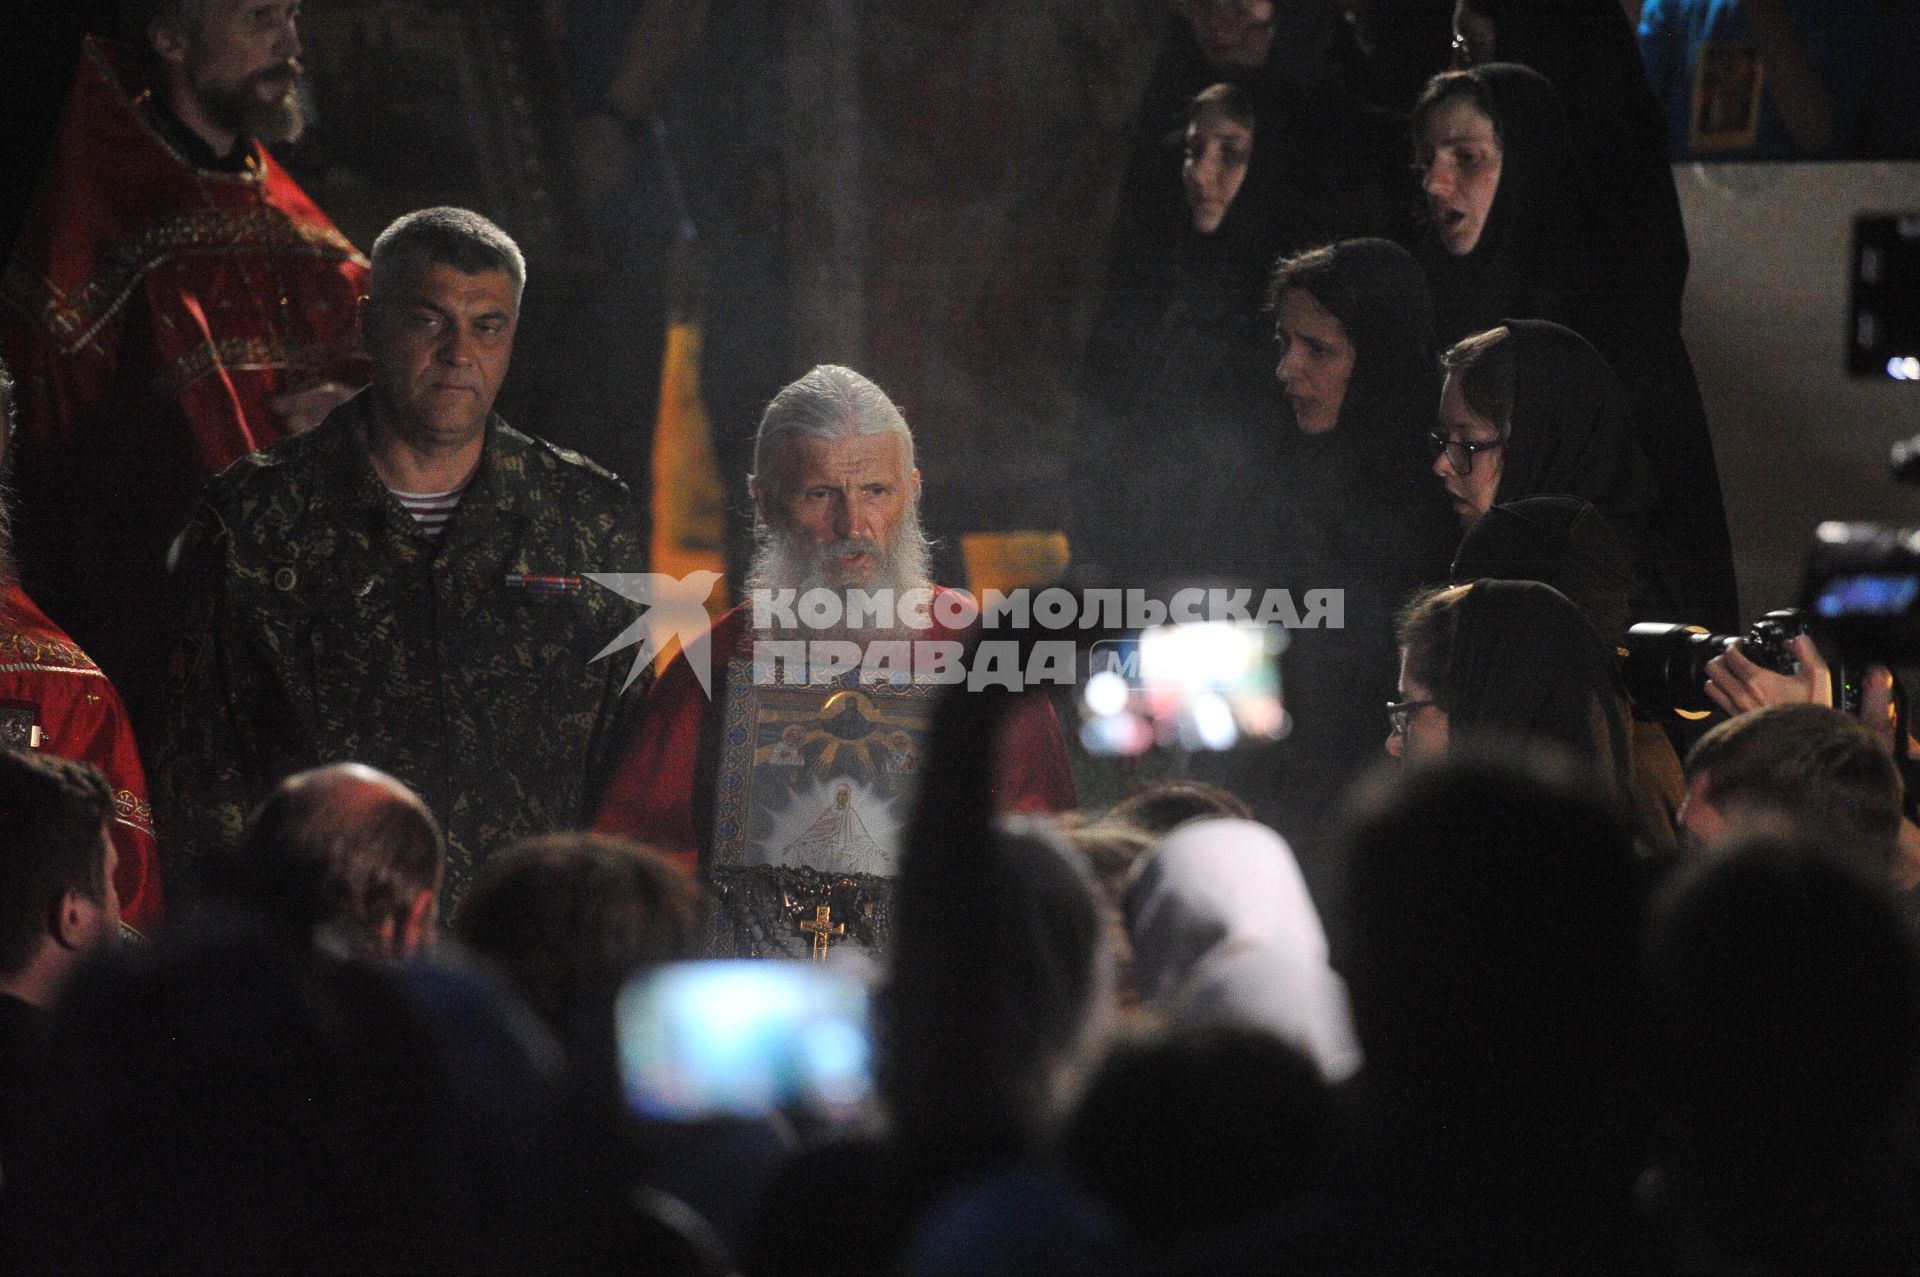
{"x": 830, "y": 402}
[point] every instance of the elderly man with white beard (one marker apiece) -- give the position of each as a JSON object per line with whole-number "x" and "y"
{"x": 787, "y": 789}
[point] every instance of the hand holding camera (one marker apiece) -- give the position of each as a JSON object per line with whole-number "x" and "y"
{"x": 1737, "y": 684}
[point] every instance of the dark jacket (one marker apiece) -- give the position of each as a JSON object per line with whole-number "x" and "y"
{"x": 320, "y": 624}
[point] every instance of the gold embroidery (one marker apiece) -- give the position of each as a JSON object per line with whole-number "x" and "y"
{"x": 89, "y": 671}
{"x": 135, "y": 106}
{"x": 73, "y": 321}
{"x": 239, "y": 354}
{"x": 131, "y": 809}
{"x": 43, "y": 653}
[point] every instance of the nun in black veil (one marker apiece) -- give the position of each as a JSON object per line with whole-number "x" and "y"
{"x": 1588, "y": 50}
{"x": 1505, "y": 200}
{"x": 1515, "y": 232}
{"x": 1177, "y": 385}
{"x": 1530, "y": 409}
{"x": 1341, "y": 502}
{"x": 1506, "y": 663}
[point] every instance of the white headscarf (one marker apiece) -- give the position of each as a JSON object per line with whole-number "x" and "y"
{"x": 1223, "y": 929}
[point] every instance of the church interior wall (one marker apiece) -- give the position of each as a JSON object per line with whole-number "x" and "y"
{"x": 1798, "y": 440}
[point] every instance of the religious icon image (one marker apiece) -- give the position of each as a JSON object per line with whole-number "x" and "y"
{"x": 786, "y": 753}
{"x": 902, "y": 758}
{"x": 815, "y": 787}
{"x": 1728, "y": 82}
{"x": 838, "y": 841}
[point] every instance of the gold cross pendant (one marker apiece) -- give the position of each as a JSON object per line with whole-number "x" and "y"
{"x": 821, "y": 928}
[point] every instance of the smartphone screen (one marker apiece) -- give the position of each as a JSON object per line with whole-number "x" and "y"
{"x": 1205, "y": 686}
{"x": 744, "y": 1039}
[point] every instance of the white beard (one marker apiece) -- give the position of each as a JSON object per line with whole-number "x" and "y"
{"x": 781, "y": 562}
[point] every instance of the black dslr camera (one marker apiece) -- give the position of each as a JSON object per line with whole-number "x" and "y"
{"x": 1666, "y": 664}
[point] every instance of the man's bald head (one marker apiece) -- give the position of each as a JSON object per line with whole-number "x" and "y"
{"x": 345, "y": 850}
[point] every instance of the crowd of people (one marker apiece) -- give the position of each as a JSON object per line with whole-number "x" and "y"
{"x": 1530, "y": 974}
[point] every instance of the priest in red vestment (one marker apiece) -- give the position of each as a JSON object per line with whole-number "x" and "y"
{"x": 838, "y": 504}
{"x": 54, "y": 698}
{"x": 174, "y": 302}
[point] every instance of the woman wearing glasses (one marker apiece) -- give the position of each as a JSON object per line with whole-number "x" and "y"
{"x": 1505, "y": 663}
{"x": 1530, "y": 409}
{"x": 1516, "y": 230}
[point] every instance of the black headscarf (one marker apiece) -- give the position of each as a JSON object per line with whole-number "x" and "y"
{"x": 1354, "y": 510}
{"x": 1573, "y": 436}
{"x": 1379, "y": 294}
{"x": 1179, "y": 396}
{"x": 1529, "y": 257}
{"x": 1525, "y": 664}
{"x": 1389, "y": 319}
{"x": 1589, "y": 52}
{"x": 1563, "y": 542}
{"x": 1178, "y": 375}
{"x": 1363, "y": 488}
{"x": 1335, "y": 156}
{"x": 1225, "y": 271}
{"x": 1572, "y": 429}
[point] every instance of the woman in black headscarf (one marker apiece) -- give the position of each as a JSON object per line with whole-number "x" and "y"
{"x": 1342, "y": 165}
{"x": 1505, "y": 199}
{"x": 1517, "y": 231}
{"x": 1177, "y": 385}
{"x": 1588, "y": 50}
{"x": 1566, "y": 543}
{"x": 1506, "y": 663}
{"x": 1344, "y": 503}
{"x": 1354, "y": 324}
{"x": 1530, "y": 409}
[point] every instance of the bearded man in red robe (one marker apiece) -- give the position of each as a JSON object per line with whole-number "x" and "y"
{"x": 54, "y": 699}
{"x": 790, "y": 794}
{"x": 174, "y": 302}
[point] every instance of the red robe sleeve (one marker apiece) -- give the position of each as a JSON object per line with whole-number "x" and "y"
{"x": 1032, "y": 773}
{"x": 80, "y": 717}
{"x": 651, "y": 796}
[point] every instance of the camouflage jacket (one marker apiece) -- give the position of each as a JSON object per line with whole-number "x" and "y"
{"x": 320, "y": 624}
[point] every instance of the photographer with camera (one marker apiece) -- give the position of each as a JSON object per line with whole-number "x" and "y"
{"x": 1740, "y": 685}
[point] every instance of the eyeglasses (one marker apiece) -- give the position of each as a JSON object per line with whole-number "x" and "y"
{"x": 1459, "y": 452}
{"x": 1400, "y": 713}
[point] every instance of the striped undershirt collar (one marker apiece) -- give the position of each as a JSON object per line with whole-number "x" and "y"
{"x": 431, "y": 510}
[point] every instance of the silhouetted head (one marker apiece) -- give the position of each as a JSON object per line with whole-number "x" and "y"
{"x": 569, "y": 917}
{"x": 226, "y": 1100}
{"x": 1563, "y": 542}
{"x": 1786, "y": 1008}
{"x": 1787, "y": 992}
{"x": 1804, "y": 767}
{"x": 1030, "y": 979}
{"x": 1200, "y": 1130}
{"x": 1493, "y": 924}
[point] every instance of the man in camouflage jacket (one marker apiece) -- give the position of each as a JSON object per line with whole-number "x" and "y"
{"x": 335, "y": 611}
